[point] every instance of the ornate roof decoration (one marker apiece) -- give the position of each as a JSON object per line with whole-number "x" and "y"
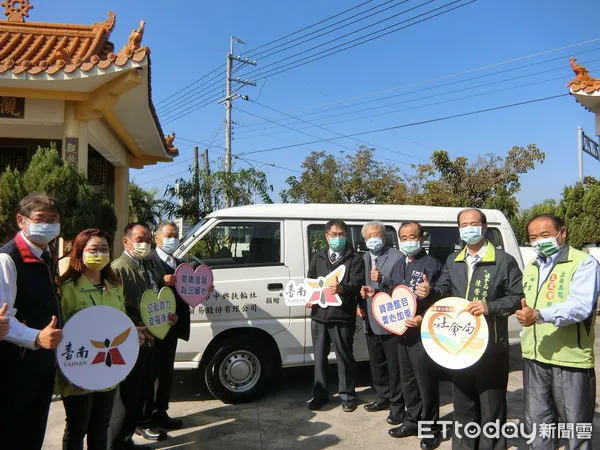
{"x": 16, "y": 10}
{"x": 169, "y": 138}
{"x": 582, "y": 81}
{"x": 38, "y": 47}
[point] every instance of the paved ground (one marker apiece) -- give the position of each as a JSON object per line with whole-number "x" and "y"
{"x": 282, "y": 420}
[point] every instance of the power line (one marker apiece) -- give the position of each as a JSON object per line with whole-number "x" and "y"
{"x": 336, "y": 48}
{"x": 313, "y": 58}
{"x": 169, "y": 97}
{"x": 411, "y": 124}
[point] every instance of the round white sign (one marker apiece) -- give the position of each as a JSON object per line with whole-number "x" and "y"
{"x": 99, "y": 348}
{"x": 453, "y": 337}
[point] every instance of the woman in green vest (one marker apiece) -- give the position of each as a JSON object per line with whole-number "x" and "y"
{"x": 89, "y": 281}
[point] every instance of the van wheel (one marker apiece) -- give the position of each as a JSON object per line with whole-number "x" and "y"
{"x": 239, "y": 370}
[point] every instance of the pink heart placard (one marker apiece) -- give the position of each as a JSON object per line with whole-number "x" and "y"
{"x": 193, "y": 286}
{"x": 392, "y": 311}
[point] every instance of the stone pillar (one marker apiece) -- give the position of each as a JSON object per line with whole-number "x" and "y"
{"x": 121, "y": 206}
{"x": 75, "y": 139}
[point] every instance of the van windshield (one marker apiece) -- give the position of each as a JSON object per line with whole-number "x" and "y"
{"x": 193, "y": 230}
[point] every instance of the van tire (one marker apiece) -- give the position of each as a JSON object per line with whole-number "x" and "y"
{"x": 240, "y": 369}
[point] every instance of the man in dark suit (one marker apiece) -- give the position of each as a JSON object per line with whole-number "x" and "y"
{"x": 380, "y": 262}
{"x": 336, "y": 324}
{"x": 164, "y": 350}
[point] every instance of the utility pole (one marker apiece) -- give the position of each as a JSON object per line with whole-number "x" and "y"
{"x": 196, "y": 187}
{"x": 230, "y": 96}
{"x": 206, "y": 187}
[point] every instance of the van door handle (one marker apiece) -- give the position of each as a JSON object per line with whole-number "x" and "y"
{"x": 275, "y": 287}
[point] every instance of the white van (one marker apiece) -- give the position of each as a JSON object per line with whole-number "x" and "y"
{"x": 244, "y": 332}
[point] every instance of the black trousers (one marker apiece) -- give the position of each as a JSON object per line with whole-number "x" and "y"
{"x": 129, "y": 402}
{"x": 88, "y": 414}
{"x": 479, "y": 394}
{"x": 164, "y": 358}
{"x": 342, "y": 336}
{"x": 420, "y": 384}
{"x": 27, "y": 385}
{"x": 385, "y": 371}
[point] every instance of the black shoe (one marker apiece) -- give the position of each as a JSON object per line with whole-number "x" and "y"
{"x": 431, "y": 443}
{"x": 163, "y": 420}
{"x": 379, "y": 405}
{"x": 349, "y": 405}
{"x": 317, "y": 403}
{"x": 402, "y": 431}
{"x": 393, "y": 420}
{"x": 151, "y": 434}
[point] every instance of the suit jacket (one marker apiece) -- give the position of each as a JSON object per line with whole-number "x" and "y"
{"x": 387, "y": 261}
{"x": 182, "y": 328}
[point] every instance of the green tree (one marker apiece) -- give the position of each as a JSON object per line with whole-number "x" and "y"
{"x": 355, "y": 178}
{"x": 491, "y": 181}
{"x": 80, "y": 206}
{"x": 144, "y": 206}
{"x": 192, "y": 201}
{"x": 580, "y": 209}
{"x": 519, "y": 221}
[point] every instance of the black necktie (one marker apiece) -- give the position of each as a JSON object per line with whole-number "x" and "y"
{"x": 333, "y": 257}
{"x": 47, "y": 258}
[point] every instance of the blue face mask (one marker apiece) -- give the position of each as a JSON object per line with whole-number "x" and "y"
{"x": 410, "y": 248}
{"x": 374, "y": 244}
{"x": 42, "y": 233}
{"x": 337, "y": 243}
{"x": 169, "y": 245}
{"x": 471, "y": 235}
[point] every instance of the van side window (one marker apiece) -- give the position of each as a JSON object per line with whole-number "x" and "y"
{"x": 440, "y": 242}
{"x": 316, "y": 238}
{"x": 238, "y": 244}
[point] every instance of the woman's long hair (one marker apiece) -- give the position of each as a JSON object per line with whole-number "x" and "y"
{"x": 76, "y": 266}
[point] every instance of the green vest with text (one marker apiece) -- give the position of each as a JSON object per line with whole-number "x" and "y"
{"x": 571, "y": 345}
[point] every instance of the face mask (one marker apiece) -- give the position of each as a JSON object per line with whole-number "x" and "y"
{"x": 169, "y": 245}
{"x": 374, "y": 244}
{"x": 410, "y": 248}
{"x": 471, "y": 235}
{"x": 546, "y": 247}
{"x": 42, "y": 233}
{"x": 337, "y": 243}
{"x": 140, "y": 250}
{"x": 96, "y": 261}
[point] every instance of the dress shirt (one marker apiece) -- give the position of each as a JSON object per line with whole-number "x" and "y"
{"x": 583, "y": 292}
{"x": 164, "y": 256}
{"x": 338, "y": 255}
{"x": 474, "y": 259}
{"x": 19, "y": 334}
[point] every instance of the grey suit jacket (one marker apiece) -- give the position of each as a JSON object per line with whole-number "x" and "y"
{"x": 386, "y": 262}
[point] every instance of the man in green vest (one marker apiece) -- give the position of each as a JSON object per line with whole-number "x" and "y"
{"x": 561, "y": 289}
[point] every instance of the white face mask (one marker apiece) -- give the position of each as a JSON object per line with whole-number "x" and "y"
{"x": 140, "y": 250}
{"x": 42, "y": 233}
{"x": 169, "y": 245}
{"x": 471, "y": 235}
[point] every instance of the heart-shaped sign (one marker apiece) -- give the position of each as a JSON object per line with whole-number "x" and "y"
{"x": 155, "y": 309}
{"x": 452, "y": 336}
{"x": 193, "y": 286}
{"x": 392, "y": 311}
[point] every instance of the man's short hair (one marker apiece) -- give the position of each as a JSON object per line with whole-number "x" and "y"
{"x": 557, "y": 221}
{"x": 37, "y": 201}
{"x": 336, "y": 223}
{"x": 130, "y": 226}
{"x": 483, "y": 218}
{"x": 167, "y": 223}
{"x": 373, "y": 223}
{"x": 411, "y": 222}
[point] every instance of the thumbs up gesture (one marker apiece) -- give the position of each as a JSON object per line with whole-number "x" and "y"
{"x": 50, "y": 336}
{"x": 423, "y": 288}
{"x": 4, "y": 321}
{"x": 336, "y": 287}
{"x": 526, "y": 316}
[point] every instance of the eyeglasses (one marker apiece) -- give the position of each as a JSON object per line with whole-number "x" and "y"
{"x": 342, "y": 234}
{"x": 96, "y": 250}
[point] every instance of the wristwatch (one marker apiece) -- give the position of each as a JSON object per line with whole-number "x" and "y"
{"x": 539, "y": 319}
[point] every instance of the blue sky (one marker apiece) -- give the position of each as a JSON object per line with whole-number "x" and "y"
{"x": 433, "y": 69}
